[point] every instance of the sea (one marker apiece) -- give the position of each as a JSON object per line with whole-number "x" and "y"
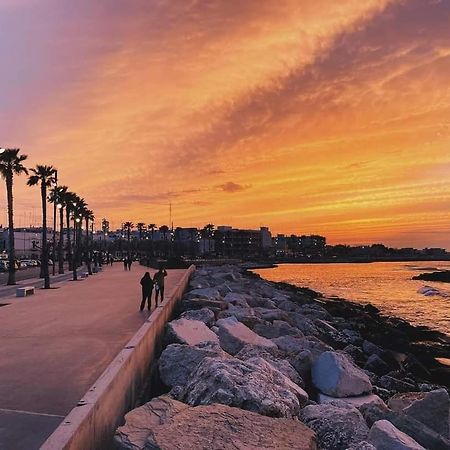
{"x": 387, "y": 285}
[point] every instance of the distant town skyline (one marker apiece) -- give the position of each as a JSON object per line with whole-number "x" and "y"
{"x": 310, "y": 117}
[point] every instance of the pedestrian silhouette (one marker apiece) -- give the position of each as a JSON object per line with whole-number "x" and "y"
{"x": 125, "y": 264}
{"x": 158, "y": 278}
{"x": 129, "y": 262}
{"x": 147, "y": 288}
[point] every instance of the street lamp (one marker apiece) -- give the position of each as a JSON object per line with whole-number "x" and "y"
{"x": 54, "y": 224}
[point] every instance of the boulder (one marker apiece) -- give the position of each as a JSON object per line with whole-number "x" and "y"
{"x": 357, "y": 355}
{"x": 376, "y": 365}
{"x": 274, "y": 359}
{"x": 190, "y": 332}
{"x": 394, "y": 384}
{"x": 246, "y": 315}
{"x": 288, "y": 305}
{"x": 363, "y": 445}
{"x": 140, "y": 422}
{"x": 178, "y": 361}
{"x": 334, "y": 374}
{"x": 276, "y": 329}
{"x": 384, "y": 436}
{"x": 425, "y": 436}
{"x": 430, "y": 408}
{"x": 234, "y": 336}
{"x": 198, "y": 303}
{"x": 237, "y": 299}
{"x": 215, "y": 427}
{"x": 270, "y": 314}
{"x": 337, "y": 427}
{"x": 304, "y": 324}
{"x": 208, "y": 293}
{"x": 294, "y": 344}
{"x": 255, "y": 386}
{"x": 359, "y": 402}
{"x": 371, "y": 349}
{"x": 204, "y": 315}
{"x": 302, "y": 363}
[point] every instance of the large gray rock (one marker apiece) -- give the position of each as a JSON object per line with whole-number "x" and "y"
{"x": 334, "y": 374}
{"x": 359, "y": 402}
{"x": 425, "y": 436}
{"x": 245, "y": 315}
{"x": 294, "y": 344}
{"x": 178, "y": 361}
{"x": 337, "y": 427}
{"x": 276, "y": 329}
{"x": 140, "y": 422}
{"x": 190, "y": 332}
{"x": 363, "y": 445}
{"x": 208, "y": 293}
{"x": 234, "y": 336}
{"x": 237, "y": 299}
{"x": 274, "y": 358}
{"x": 212, "y": 427}
{"x": 304, "y": 324}
{"x": 255, "y": 386}
{"x": 430, "y": 408}
{"x": 385, "y": 436}
{"x": 270, "y": 314}
{"x": 205, "y": 315}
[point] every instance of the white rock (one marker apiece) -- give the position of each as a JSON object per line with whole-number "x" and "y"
{"x": 233, "y": 335}
{"x": 190, "y": 332}
{"x": 358, "y": 401}
{"x": 384, "y": 436}
{"x": 334, "y": 374}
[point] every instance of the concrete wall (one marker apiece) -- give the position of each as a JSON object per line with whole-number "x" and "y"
{"x": 91, "y": 424}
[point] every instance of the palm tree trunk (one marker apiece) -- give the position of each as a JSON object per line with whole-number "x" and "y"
{"x": 69, "y": 244}
{"x": 61, "y": 242}
{"x": 88, "y": 253}
{"x": 75, "y": 253}
{"x": 44, "y": 257}
{"x": 11, "y": 249}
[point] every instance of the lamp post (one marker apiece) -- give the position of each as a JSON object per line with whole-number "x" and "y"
{"x": 54, "y": 224}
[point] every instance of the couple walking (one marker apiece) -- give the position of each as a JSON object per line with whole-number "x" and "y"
{"x": 147, "y": 287}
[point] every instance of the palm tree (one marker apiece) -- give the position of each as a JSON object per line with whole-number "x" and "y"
{"x": 70, "y": 203}
{"x": 58, "y": 196}
{"x": 140, "y": 227}
{"x": 88, "y": 216}
{"x": 45, "y": 177}
{"x": 128, "y": 226}
{"x": 10, "y": 165}
{"x": 152, "y": 227}
{"x": 164, "y": 229}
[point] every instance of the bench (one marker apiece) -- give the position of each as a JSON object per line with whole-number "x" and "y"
{"x": 24, "y": 291}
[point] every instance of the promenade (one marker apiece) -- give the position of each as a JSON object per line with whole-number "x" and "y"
{"x": 55, "y": 344}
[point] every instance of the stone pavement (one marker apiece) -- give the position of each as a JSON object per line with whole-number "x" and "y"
{"x": 55, "y": 344}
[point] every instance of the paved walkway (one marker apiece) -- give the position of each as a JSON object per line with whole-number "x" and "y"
{"x": 55, "y": 344}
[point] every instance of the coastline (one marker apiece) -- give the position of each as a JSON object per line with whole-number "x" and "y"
{"x": 390, "y": 332}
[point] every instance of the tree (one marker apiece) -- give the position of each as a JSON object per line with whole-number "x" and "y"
{"x": 58, "y": 196}
{"x": 164, "y": 229}
{"x": 152, "y": 227}
{"x": 128, "y": 226}
{"x": 140, "y": 227}
{"x": 10, "y": 165}
{"x": 45, "y": 177}
{"x": 78, "y": 212}
{"x": 88, "y": 216}
{"x": 69, "y": 199}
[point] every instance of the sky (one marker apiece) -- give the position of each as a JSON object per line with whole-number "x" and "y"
{"x": 307, "y": 116}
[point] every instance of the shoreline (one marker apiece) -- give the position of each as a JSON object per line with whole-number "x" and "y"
{"x": 390, "y": 332}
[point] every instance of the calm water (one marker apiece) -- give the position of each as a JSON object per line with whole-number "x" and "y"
{"x": 388, "y": 286}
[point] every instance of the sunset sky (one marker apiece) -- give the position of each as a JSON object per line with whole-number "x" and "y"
{"x": 307, "y": 116}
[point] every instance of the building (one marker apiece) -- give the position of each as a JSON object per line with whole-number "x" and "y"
{"x": 235, "y": 242}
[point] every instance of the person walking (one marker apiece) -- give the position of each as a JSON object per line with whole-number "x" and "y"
{"x": 129, "y": 262}
{"x": 158, "y": 278}
{"x": 125, "y": 264}
{"x": 147, "y": 289}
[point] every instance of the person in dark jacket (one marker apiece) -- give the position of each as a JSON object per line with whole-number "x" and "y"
{"x": 125, "y": 264}
{"x": 158, "y": 279}
{"x": 129, "y": 262}
{"x": 147, "y": 289}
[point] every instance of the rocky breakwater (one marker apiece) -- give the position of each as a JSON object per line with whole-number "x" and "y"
{"x": 253, "y": 365}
